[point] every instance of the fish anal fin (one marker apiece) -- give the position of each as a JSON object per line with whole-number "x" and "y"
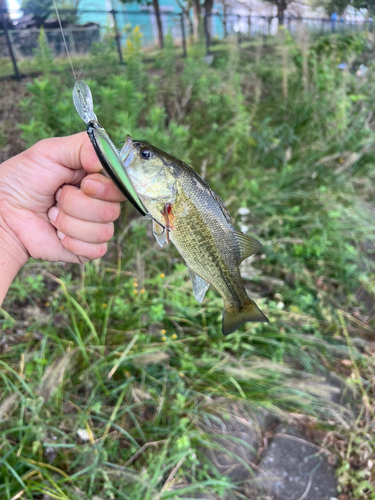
{"x": 200, "y": 286}
{"x": 160, "y": 233}
{"x": 248, "y": 245}
{"x": 233, "y": 317}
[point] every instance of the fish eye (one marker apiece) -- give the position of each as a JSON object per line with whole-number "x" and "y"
{"x": 146, "y": 154}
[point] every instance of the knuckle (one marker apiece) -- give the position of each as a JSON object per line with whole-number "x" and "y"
{"x": 111, "y": 212}
{"x": 67, "y": 197}
{"x": 62, "y": 223}
{"x": 69, "y": 243}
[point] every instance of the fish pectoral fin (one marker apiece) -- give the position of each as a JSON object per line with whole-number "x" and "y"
{"x": 200, "y": 286}
{"x": 160, "y": 233}
{"x": 248, "y": 246}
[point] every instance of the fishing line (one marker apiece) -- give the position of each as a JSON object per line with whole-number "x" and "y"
{"x": 66, "y": 45}
{"x": 80, "y": 73}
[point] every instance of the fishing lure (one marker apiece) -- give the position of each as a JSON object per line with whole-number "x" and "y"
{"x": 105, "y": 150}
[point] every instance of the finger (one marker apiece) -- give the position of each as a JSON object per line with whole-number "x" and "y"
{"x": 89, "y": 251}
{"x": 76, "y": 203}
{"x": 74, "y": 152}
{"x": 47, "y": 238}
{"x": 99, "y": 186}
{"x": 77, "y": 176}
{"x": 91, "y": 232}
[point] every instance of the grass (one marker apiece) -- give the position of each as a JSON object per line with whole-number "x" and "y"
{"x": 111, "y": 372}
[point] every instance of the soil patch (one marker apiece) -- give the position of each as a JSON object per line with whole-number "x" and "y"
{"x": 11, "y": 93}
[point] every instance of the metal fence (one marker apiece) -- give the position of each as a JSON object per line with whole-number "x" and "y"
{"x": 21, "y": 51}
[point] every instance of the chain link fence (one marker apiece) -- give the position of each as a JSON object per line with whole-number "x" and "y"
{"x": 22, "y": 45}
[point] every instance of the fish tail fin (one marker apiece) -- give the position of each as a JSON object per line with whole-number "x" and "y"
{"x": 234, "y": 317}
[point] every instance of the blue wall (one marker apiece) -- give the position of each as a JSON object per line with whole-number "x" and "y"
{"x": 138, "y": 15}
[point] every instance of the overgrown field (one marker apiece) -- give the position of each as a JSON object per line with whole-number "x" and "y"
{"x": 111, "y": 373}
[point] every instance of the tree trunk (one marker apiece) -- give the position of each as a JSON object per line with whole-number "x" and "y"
{"x": 281, "y": 7}
{"x": 196, "y": 18}
{"x": 159, "y": 24}
{"x": 208, "y": 4}
{"x": 191, "y": 25}
{"x": 186, "y": 12}
{"x": 225, "y": 20}
{"x": 6, "y": 17}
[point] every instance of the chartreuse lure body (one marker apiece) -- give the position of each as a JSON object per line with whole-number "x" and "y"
{"x": 105, "y": 149}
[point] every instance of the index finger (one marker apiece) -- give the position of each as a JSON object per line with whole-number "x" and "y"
{"x": 74, "y": 152}
{"x": 100, "y": 186}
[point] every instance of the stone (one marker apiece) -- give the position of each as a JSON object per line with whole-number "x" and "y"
{"x": 235, "y": 433}
{"x": 293, "y": 468}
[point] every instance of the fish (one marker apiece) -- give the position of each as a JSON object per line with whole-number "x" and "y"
{"x": 187, "y": 212}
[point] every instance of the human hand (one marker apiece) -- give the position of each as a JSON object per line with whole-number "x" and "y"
{"x": 50, "y": 171}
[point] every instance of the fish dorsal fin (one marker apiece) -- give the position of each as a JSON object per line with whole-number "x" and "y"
{"x": 248, "y": 246}
{"x": 200, "y": 286}
{"x": 160, "y": 233}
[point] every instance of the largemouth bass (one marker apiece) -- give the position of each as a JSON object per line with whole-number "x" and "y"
{"x": 189, "y": 213}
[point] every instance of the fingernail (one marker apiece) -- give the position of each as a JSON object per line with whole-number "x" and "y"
{"x": 91, "y": 186}
{"x": 60, "y": 235}
{"x": 58, "y": 193}
{"x": 53, "y": 213}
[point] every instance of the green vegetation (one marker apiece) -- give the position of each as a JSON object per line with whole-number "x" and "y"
{"x": 111, "y": 372}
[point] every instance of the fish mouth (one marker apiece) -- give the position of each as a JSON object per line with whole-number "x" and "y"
{"x": 126, "y": 150}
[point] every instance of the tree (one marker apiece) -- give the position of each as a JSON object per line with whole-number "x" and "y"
{"x": 197, "y": 12}
{"x": 5, "y": 11}
{"x": 155, "y": 4}
{"x": 39, "y": 9}
{"x": 339, "y": 6}
{"x": 44, "y": 9}
{"x": 208, "y": 4}
{"x": 159, "y": 24}
{"x": 281, "y": 8}
{"x": 186, "y": 12}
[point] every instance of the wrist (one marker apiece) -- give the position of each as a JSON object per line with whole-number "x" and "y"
{"x": 12, "y": 258}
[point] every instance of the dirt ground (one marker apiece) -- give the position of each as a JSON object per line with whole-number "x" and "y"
{"x": 11, "y": 93}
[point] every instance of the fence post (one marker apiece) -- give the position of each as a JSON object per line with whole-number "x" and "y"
{"x": 249, "y": 24}
{"x": 117, "y": 36}
{"x": 10, "y": 48}
{"x": 207, "y": 33}
{"x": 183, "y": 34}
{"x": 239, "y": 30}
